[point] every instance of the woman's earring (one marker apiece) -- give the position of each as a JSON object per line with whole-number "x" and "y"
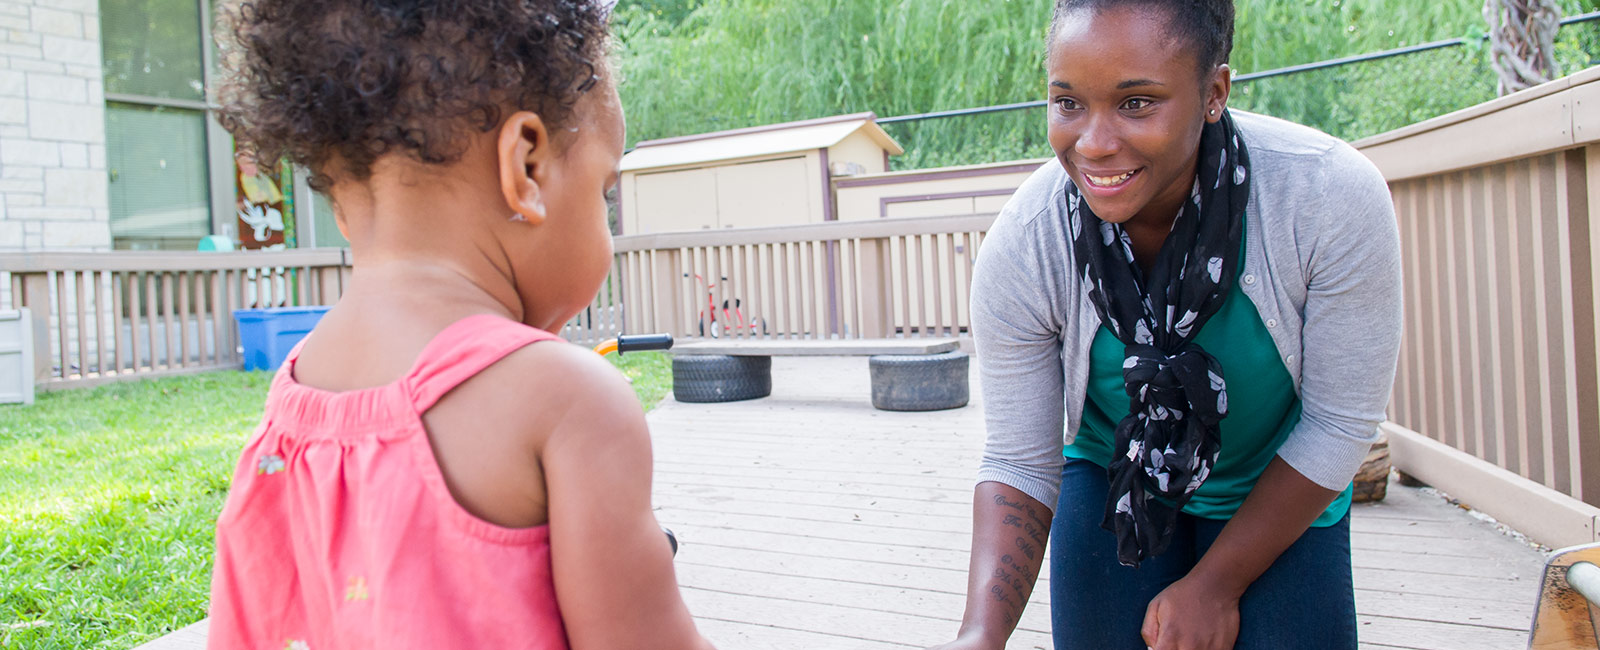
{"x": 516, "y": 217}
{"x": 1213, "y": 112}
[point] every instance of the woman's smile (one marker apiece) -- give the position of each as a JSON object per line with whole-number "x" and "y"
{"x": 1109, "y": 183}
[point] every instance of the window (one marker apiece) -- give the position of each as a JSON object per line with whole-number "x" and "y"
{"x": 157, "y": 150}
{"x": 152, "y": 48}
{"x": 156, "y": 159}
{"x": 327, "y": 228}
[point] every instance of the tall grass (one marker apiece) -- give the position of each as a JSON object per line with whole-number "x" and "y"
{"x": 690, "y": 66}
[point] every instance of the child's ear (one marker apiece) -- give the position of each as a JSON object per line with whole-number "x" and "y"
{"x": 525, "y": 153}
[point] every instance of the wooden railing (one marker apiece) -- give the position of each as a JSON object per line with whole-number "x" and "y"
{"x": 106, "y": 316}
{"x": 870, "y": 279}
{"x": 1499, "y": 211}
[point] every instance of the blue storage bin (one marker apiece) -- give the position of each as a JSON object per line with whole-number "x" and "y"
{"x": 267, "y": 335}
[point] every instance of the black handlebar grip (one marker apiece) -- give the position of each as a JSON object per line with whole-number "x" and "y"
{"x": 642, "y": 342}
{"x": 671, "y": 539}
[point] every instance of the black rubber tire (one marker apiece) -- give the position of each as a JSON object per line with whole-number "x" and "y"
{"x": 712, "y": 378}
{"x": 920, "y": 382}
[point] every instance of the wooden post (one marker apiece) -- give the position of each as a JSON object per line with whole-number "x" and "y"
{"x": 877, "y": 314}
{"x": 1583, "y": 201}
{"x": 666, "y": 284}
{"x": 36, "y": 297}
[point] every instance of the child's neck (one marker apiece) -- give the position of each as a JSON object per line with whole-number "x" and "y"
{"x": 429, "y": 232}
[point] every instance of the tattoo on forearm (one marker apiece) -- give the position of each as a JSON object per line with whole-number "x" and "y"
{"x": 1039, "y": 534}
{"x": 1016, "y": 584}
{"x": 1026, "y": 548}
{"x": 1012, "y": 581}
{"x": 1000, "y": 595}
{"x": 1010, "y": 563}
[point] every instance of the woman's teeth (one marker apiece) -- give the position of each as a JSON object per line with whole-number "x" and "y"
{"x": 1109, "y": 181}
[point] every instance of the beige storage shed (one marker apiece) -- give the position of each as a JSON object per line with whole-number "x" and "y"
{"x": 774, "y": 175}
{"x": 943, "y": 192}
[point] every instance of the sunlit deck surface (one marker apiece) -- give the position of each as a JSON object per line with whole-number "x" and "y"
{"x": 810, "y": 520}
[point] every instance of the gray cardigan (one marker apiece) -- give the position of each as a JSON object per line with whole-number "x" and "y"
{"x": 1322, "y": 266}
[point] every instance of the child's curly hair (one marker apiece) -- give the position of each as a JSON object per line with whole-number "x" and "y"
{"x": 312, "y": 80}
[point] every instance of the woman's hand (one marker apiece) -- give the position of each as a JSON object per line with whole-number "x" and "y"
{"x": 1191, "y": 615}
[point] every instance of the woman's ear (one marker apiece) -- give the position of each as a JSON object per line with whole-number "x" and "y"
{"x": 1218, "y": 87}
{"x": 525, "y": 152}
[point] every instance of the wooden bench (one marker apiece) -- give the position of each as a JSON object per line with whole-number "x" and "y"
{"x": 907, "y": 374}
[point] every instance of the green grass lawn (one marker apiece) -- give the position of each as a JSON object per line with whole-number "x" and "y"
{"x": 108, "y": 498}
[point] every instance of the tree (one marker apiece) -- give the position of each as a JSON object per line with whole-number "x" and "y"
{"x": 1522, "y": 36}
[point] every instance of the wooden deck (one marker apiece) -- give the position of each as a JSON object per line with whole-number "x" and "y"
{"x": 810, "y": 520}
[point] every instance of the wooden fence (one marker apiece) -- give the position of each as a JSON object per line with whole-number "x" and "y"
{"x": 867, "y": 279}
{"x": 106, "y": 316}
{"x": 1499, "y": 210}
{"x": 109, "y": 316}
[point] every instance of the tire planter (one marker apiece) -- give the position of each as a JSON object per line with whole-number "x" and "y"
{"x": 919, "y": 382}
{"x": 720, "y": 378}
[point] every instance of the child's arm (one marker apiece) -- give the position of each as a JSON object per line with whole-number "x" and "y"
{"x": 613, "y": 566}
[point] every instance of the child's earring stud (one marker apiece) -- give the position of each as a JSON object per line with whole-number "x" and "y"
{"x": 516, "y": 217}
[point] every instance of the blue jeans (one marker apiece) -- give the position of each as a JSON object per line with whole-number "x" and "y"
{"x": 1306, "y": 600}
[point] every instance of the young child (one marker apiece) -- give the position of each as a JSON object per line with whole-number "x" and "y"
{"x": 434, "y": 469}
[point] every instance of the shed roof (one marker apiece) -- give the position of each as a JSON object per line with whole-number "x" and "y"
{"x": 756, "y": 141}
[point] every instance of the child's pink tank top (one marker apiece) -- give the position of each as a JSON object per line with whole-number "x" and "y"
{"x": 340, "y": 534}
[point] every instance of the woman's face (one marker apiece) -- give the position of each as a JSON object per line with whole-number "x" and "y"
{"x": 1127, "y": 105}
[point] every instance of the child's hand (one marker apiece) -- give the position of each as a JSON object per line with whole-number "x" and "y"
{"x": 613, "y": 566}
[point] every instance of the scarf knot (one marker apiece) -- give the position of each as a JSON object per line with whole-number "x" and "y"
{"x": 1165, "y": 387}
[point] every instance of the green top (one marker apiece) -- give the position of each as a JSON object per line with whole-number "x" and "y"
{"x": 1262, "y": 408}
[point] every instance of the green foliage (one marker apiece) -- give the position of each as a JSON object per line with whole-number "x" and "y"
{"x": 109, "y": 499}
{"x": 739, "y": 63}
{"x": 650, "y": 373}
{"x": 692, "y": 66}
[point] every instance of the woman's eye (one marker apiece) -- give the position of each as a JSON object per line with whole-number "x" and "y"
{"x": 1136, "y": 104}
{"x": 1066, "y": 104}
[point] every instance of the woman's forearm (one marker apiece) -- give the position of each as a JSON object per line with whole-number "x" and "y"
{"x": 1281, "y": 506}
{"x": 1009, "y": 531}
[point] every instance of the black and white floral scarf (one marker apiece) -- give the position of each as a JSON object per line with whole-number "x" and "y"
{"x": 1169, "y": 441}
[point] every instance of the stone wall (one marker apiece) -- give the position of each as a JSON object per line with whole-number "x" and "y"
{"x": 53, "y": 183}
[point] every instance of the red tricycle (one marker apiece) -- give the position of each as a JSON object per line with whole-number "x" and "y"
{"x": 730, "y": 317}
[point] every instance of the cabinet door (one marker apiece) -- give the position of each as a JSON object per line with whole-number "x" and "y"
{"x": 766, "y": 193}
{"x": 676, "y": 201}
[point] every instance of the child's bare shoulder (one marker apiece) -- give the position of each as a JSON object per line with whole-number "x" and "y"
{"x": 575, "y": 390}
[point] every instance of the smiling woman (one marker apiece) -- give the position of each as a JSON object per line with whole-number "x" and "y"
{"x": 1213, "y": 297}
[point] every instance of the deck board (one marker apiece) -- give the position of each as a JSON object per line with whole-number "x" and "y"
{"x": 816, "y": 347}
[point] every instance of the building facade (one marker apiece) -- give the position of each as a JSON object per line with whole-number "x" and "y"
{"x": 108, "y": 142}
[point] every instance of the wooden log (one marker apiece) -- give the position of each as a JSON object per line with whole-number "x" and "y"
{"x": 1372, "y": 480}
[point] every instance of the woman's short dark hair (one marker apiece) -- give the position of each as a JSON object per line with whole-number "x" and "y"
{"x": 1206, "y": 24}
{"x": 314, "y": 80}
